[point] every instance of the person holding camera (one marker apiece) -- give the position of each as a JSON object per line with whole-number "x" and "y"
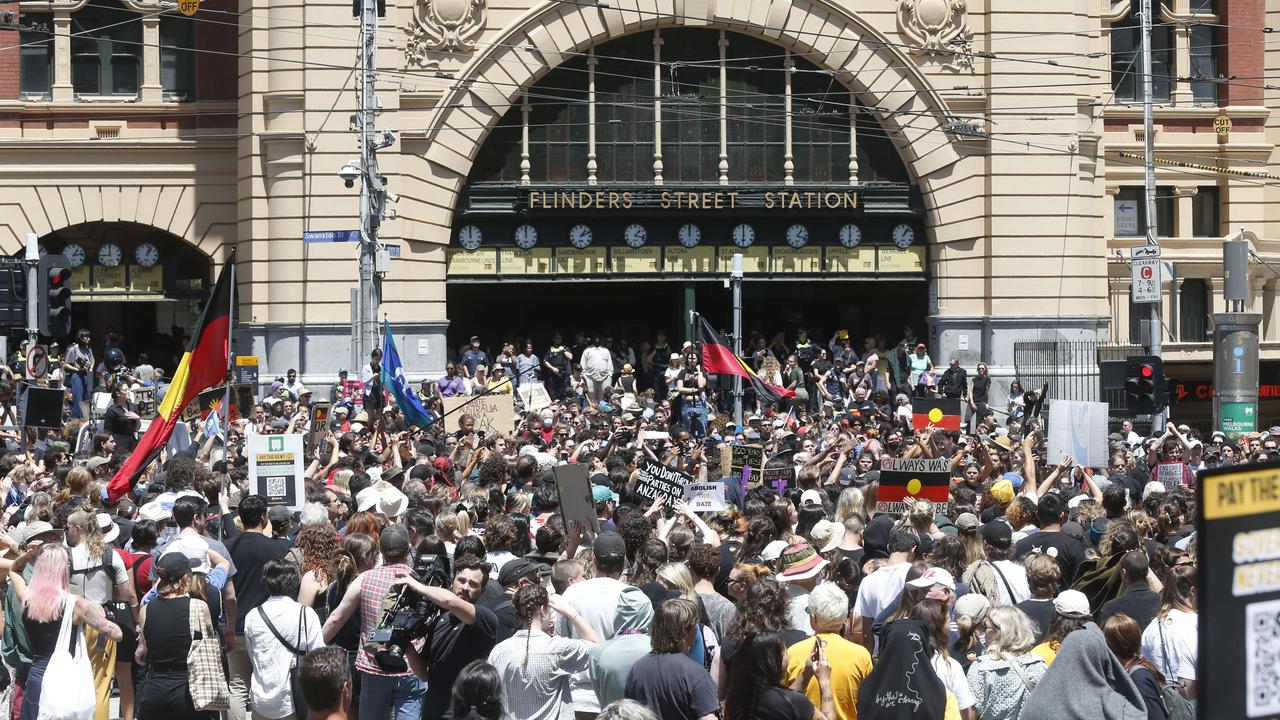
{"x": 78, "y": 366}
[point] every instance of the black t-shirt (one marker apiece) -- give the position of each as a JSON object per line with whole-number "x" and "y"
{"x": 854, "y": 555}
{"x": 250, "y": 551}
{"x": 453, "y": 645}
{"x": 1040, "y": 612}
{"x": 728, "y": 558}
{"x": 673, "y": 686}
{"x": 981, "y": 388}
{"x": 1061, "y": 547}
{"x": 775, "y": 703}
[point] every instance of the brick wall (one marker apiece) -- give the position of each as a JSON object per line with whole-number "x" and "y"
{"x": 9, "y": 57}
{"x": 1242, "y": 52}
{"x": 216, "y": 73}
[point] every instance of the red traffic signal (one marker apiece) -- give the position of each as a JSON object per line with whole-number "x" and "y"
{"x": 1147, "y": 371}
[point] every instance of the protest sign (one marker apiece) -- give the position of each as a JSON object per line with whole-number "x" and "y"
{"x": 320, "y": 412}
{"x": 705, "y": 497}
{"x": 275, "y": 469}
{"x": 1079, "y": 430}
{"x": 904, "y": 481}
{"x": 780, "y": 479}
{"x": 747, "y": 463}
{"x": 1170, "y": 475}
{"x": 534, "y": 395}
{"x": 212, "y": 399}
{"x": 576, "y": 504}
{"x": 655, "y": 480}
{"x": 494, "y": 414}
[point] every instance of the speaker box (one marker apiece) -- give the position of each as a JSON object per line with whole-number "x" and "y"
{"x": 40, "y": 407}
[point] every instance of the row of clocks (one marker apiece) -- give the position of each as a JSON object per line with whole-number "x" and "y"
{"x": 110, "y": 254}
{"x": 690, "y": 235}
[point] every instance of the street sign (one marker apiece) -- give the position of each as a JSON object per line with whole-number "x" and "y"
{"x": 1237, "y": 418}
{"x": 1238, "y": 591}
{"x": 328, "y": 236}
{"x": 188, "y": 7}
{"x": 37, "y": 362}
{"x": 1126, "y": 217}
{"x": 1222, "y": 125}
{"x": 1146, "y": 274}
{"x": 247, "y": 369}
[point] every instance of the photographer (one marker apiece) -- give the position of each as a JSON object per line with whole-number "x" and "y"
{"x": 78, "y": 365}
{"x": 465, "y": 632}
{"x": 379, "y": 689}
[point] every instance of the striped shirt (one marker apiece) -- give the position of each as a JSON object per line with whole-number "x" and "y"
{"x": 537, "y": 672}
{"x": 374, "y": 585}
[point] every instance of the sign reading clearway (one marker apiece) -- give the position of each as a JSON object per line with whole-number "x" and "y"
{"x": 1147, "y": 274}
{"x": 326, "y": 236}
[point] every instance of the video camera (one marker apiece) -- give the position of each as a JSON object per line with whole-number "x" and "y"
{"x": 406, "y": 615}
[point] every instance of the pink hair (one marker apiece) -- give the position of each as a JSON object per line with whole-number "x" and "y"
{"x": 47, "y": 593}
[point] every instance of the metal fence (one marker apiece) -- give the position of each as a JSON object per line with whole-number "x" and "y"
{"x": 1070, "y": 368}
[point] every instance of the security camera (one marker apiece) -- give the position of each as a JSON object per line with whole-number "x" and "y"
{"x": 350, "y": 173}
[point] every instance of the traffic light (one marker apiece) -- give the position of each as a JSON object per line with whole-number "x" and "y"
{"x": 1144, "y": 384}
{"x": 53, "y": 296}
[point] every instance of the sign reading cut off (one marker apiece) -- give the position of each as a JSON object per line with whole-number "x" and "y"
{"x": 188, "y": 7}
{"x": 1238, "y": 542}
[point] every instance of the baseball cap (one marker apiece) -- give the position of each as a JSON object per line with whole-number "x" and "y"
{"x": 934, "y": 576}
{"x": 279, "y": 514}
{"x": 967, "y": 521}
{"x": 997, "y": 534}
{"x": 394, "y": 540}
{"x": 826, "y": 535}
{"x": 1072, "y": 604}
{"x": 516, "y": 569}
{"x": 773, "y": 550}
{"x": 610, "y": 544}
{"x": 1002, "y": 492}
{"x": 811, "y": 497}
{"x": 600, "y": 493}
{"x": 173, "y": 565}
{"x": 1014, "y": 479}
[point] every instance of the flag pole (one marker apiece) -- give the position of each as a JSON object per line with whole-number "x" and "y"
{"x": 231, "y": 330}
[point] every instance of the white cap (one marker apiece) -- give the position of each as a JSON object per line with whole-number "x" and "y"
{"x": 811, "y": 497}
{"x": 1153, "y": 487}
{"x": 773, "y": 551}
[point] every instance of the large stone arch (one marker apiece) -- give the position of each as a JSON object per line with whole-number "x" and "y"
{"x": 868, "y": 62}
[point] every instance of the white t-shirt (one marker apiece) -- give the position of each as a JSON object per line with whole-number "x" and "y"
{"x": 879, "y": 590}
{"x": 799, "y": 607}
{"x": 1181, "y": 639}
{"x": 953, "y": 678}
{"x": 98, "y": 585}
{"x": 1016, "y": 575}
{"x": 596, "y": 601}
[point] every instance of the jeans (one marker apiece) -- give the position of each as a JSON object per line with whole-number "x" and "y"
{"x": 694, "y": 413}
{"x": 400, "y": 694}
{"x": 80, "y": 390}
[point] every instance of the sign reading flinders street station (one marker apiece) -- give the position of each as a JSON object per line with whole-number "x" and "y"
{"x": 690, "y": 199}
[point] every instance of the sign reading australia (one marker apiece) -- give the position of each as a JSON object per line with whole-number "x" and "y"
{"x": 659, "y": 199}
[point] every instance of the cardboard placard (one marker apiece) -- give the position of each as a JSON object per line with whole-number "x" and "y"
{"x": 780, "y": 479}
{"x": 494, "y": 414}
{"x": 705, "y": 497}
{"x": 655, "y": 480}
{"x": 320, "y": 412}
{"x": 1169, "y": 475}
{"x": 575, "y": 496}
{"x": 534, "y": 395}
{"x": 275, "y": 469}
{"x": 1078, "y": 429}
{"x": 747, "y": 463}
{"x": 904, "y": 481}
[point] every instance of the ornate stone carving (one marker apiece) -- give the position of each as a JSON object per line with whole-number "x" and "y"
{"x": 938, "y": 28}
{"x": 444, "y": 25}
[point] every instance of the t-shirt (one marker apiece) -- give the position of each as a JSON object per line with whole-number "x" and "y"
{"x": 104, "y": 573}
{"x": 1061, "y": 547}
{"x": 1016, "y": 578}
{"x": 953, "y": 677}
{"x": 673, "y": 686}
{"x": 880, "y": 590}
{"x": 611, "y": 662}
{"x": 1174, "y": 654}
{"x": 775, "y": 703}
{"x": 1041, "y": 613}
{"x": 850, "y": 665}
{"x": 454, "y": 644}
{"x": 596, "y": 601}
{"x": 250, "y": 551}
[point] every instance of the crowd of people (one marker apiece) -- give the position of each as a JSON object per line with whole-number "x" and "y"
{"x": 1039, "y": 590}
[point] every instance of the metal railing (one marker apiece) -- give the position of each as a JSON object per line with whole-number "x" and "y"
{"x": 1070, "y": 368}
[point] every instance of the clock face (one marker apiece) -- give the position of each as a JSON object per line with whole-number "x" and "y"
{"x": 850, "y": 235}
{"x": 146, "y": 254}
{"x": 580, "y": 236}
{"x": 74, "y": 253}
{"x": 689, "y": 234}
{"x": 469, "y": 237}
{"x": 743, "y": 235}
{"x": 903, "y": 236}
{"x": 635, "y": 235}
{"x": 797, "y": 235}
{"x": 526, "y": 237}
{"x": 109, "y": 254}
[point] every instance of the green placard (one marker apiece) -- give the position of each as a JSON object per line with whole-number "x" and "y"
{"x": 1237, "y": 418}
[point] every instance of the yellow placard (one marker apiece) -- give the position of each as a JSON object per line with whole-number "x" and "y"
{"x": 635, "y": 260}
{"x": 688, "y": 260}
{"x": 108, "y": 278}
{"x": 188, "y": 7}
{"x": 851, "y": 260}
{"x": 797, "y": 260}
{"x": 80, "y": 278}
{"x": 754, "y": 259}
{"x": 471, "y": 262}
{"x": 1250, "y": 492}
{"x": 897, "y": 260}
{"x": 514, "y": 261}
{"x": 146, "y": 279}
{"x": 587, "y": 261}
{"x": 247, "y": 360}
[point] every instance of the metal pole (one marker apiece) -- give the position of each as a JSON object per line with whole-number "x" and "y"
{"x": 231, "y": 352}
{"x": 735, "y": 279}
{"x": 371, "y": 189}
{"x": 1149, "y": 169}
{"x": 33, "y": 286}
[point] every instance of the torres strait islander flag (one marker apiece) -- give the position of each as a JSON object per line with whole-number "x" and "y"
{"x": 717, "y": 358}
{"x": 942, "y": 413}
{"x": 203, "y": 366}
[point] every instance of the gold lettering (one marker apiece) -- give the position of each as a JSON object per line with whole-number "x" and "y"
{"x": 719, "y": 201}
{"x": 534, "y": 197}
{"x": 851, "y": 201}
{"x": 794, "y": 202}
{"x": 831, "y": 200}
{"x": 733, "y": 199}
{"x": 768, "y": 199}
{"x": 627, "y": 200}
{"x": 599, "y": 200}
{"x": 584, "y": 200}
{"x": 613, "y": 200}
{"x": 693, "y": 200}
{"x": 808, "y": 199}
{"x": 566, "y": 200}
{"x": 706, "y": 200}
{"x": 664, "y": 201}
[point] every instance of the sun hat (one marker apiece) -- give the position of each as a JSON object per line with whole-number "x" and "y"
{"x": 826, "y": 535}
{"x": 934, "y": 576}
{"x": 800, "y": 562}
{"x": 110, "y": 531}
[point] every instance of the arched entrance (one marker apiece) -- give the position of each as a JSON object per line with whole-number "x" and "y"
{"x": 145, "y": 285}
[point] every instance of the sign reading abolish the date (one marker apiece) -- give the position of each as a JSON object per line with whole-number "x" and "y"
{"x": 705, "y": 497}
{"x": 655, "y": 480}
{"x": 904, "y": 481}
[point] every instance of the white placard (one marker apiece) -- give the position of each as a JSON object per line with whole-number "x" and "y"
{"x": 1078, "y": 429}
{"x": 704, "y": 497}
{"x": 1170, "y": 475}
{"x": 275, "y": 469}
{"x": 534, "y": 395}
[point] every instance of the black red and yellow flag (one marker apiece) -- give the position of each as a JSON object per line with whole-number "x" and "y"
{"x": 941, "y": 413}
{"x": 904, "y": 481}
{"x": 719, "y": 359}
{"x": 203, "y": 366}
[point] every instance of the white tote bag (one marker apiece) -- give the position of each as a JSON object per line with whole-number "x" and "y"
{"x": 67, "y": 691}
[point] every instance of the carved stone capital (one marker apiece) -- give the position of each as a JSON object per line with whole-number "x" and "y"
{"x": 444, "y": 26}
{"x": 938, "y": 28}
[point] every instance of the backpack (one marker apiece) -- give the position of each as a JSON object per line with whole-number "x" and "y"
{"x": 1175, "y": 705}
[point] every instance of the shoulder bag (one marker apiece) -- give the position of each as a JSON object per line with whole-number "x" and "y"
{"x": 1177, "y": 706}
{"x": 295, "y": 685}
{"x": 205, "y": 680}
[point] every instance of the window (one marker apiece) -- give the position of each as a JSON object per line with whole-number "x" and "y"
{"x": 624, "y": 110}
{"x": 1203, "y": 64}
{"x": 106, "y": 50}
{"x": 177, "y": 71}
{"x": 37, "y": 53}
{"x": 1126, "y": 60}
{"x": 756, "y": 86}
{"x": 1204, "y": 6}
{"x": 558, "y": 125}
{"x": 819, "y": 125}
{"x": 1193, "y": 310}
{"x": 1131, "y": 212}
{"x": 1205, "y": 220}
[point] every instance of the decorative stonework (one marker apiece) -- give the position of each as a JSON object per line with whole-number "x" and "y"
{"x": 444, "y": 26}
{"x": 938, "y": 28}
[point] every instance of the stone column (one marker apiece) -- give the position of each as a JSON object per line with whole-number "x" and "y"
{"x": 151, "y": 91}
{"x": 1184, "y": 210}
{"x": 62, "y": 90}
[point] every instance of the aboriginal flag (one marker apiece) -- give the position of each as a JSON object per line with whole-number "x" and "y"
{"x": 203, "y": 366}
{"x": 904, "y": 481}
{"x": 717, "y": 358}
{"x": 942, "y": 413}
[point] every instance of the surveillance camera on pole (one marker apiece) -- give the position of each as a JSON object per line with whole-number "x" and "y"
{"x": 350, "y": 173}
